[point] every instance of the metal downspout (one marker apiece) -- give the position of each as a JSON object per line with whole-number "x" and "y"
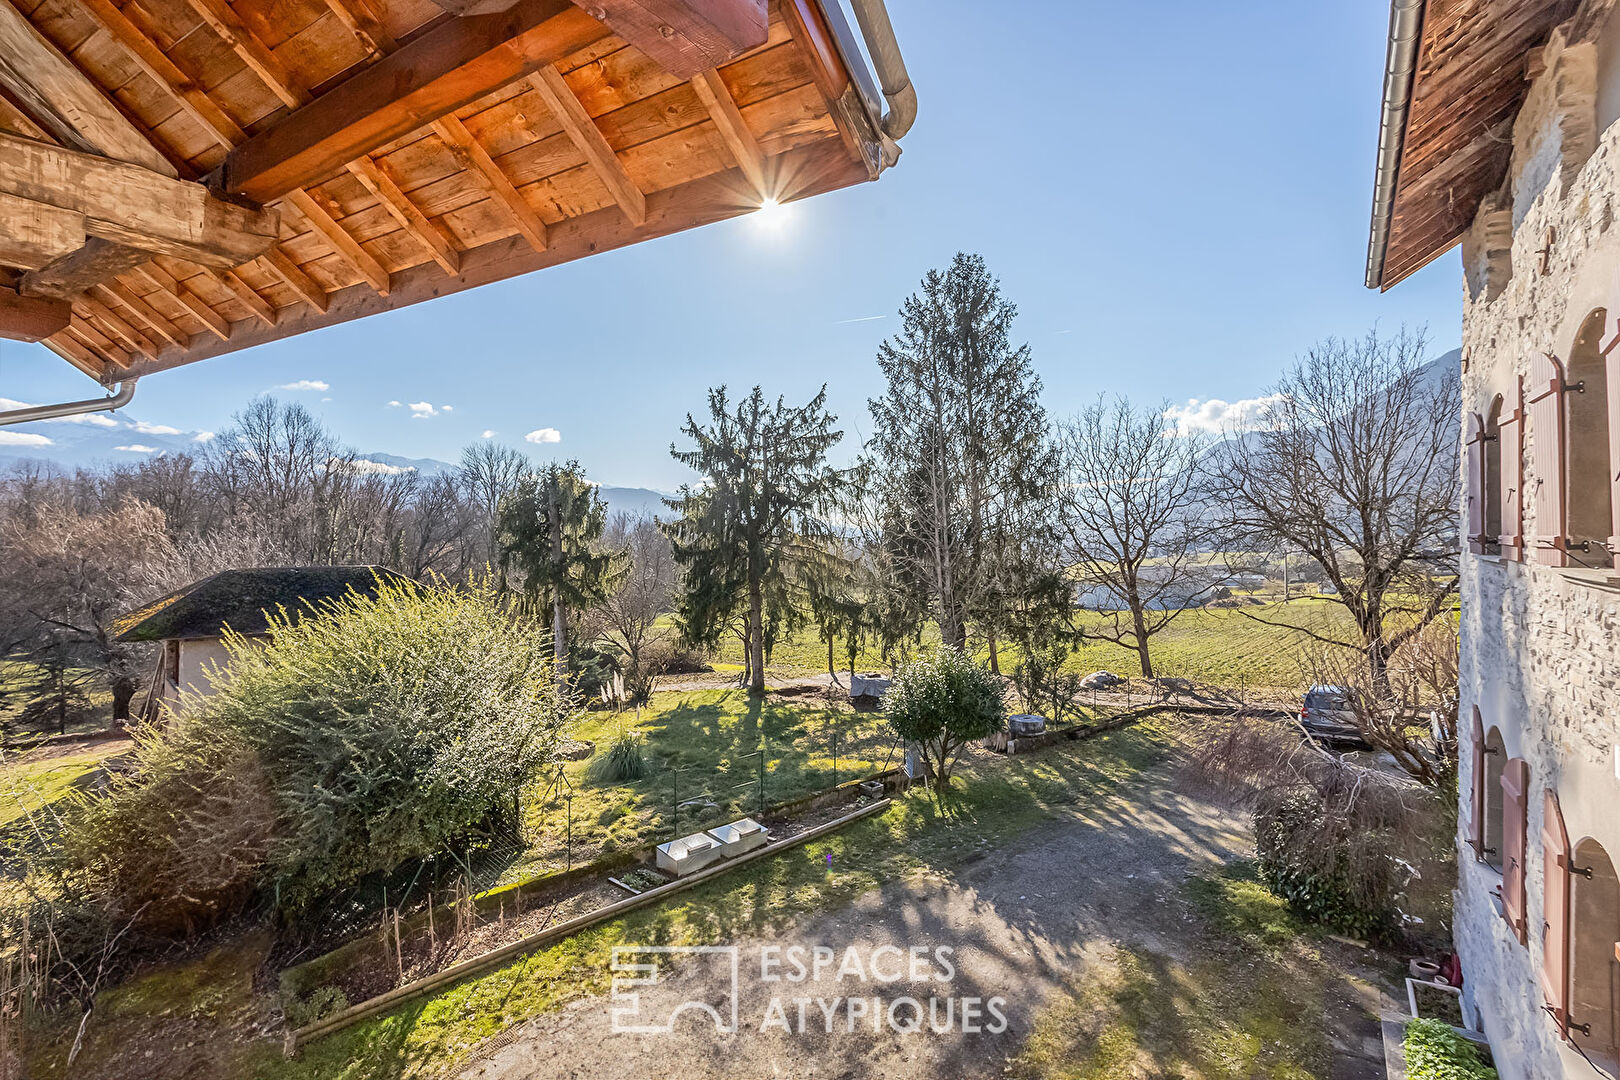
{"x": 898, "y": 92}
{"x": 117, "y": 400}
{"x": 1400, "y": 67}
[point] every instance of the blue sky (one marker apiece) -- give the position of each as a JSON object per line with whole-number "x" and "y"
{"x": 1176, "y": 196}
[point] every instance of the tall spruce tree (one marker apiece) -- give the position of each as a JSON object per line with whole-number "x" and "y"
{"x": 961, "y": 464}
{"x": 549, "y": 531}
{"x": 746, "y": 536}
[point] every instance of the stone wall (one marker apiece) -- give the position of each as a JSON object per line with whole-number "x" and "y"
{"x": 1540, "y": 645}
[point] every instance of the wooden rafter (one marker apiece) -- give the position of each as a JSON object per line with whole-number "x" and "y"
{"x": 364, "y": 23}
{"x": 487, "y": 172}
{"x": 121, "y": 331}
{"x": 347, "y": 247}
{"x": 59, "y": 98}
{"x": 548, "y": 82}
{"x": 682, "y": 36}
{"x": 242, "y": 41}
{"x": 116, "y": 290}
{"x": 97, "y": 341}
{"x": 745, "y": 150}
{"x": 438, "y": 72}
{"x": 70, "y": 349}
{"x": 275, "y": 261}
{"x": 163, "y": 281}
{"x": 399, "y": 206}
{"x": 262, "y": 309}
{"x": 162, "y": 70}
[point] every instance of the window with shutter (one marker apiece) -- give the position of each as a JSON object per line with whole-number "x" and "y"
{"x": 1510, "y": 447}
{"x": 1515, "y": 783}
{"x": 1545, "y": 395}
{"x": 1476, "y": 814}
{"x": 1474, "y": 479}
{"x": 1555, "y": 869}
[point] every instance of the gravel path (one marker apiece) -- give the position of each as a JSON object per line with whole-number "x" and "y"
{"x": 1020, "y": 923}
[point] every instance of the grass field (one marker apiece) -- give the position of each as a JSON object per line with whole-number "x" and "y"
{"x": 28, "y": 783}
{"x": 1216, "y": 645}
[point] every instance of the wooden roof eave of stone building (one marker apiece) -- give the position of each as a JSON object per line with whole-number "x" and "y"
{"x": 185, "y": 178}
{"x": 1469, "y": 78}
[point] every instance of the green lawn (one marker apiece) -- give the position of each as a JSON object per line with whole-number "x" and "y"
{"x": 1215, "y": 645}
{"x": 28, "y": 782}
{"x": 704, "y": 746}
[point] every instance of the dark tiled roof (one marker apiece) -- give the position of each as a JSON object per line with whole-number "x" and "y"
{"x": 240, "y": 598}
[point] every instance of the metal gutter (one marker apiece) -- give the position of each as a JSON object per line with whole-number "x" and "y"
{"x": 892, "y": 117}
{"x": 117, "y": 400}
{"x": 1400, "y": 71}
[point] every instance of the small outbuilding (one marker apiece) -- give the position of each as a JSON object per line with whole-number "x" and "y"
{"x": 191, "y": 623}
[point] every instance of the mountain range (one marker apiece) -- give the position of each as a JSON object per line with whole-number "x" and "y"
{"x": 96, "y": 439}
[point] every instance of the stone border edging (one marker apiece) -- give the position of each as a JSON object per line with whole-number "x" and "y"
{"x": 483, "y": 961}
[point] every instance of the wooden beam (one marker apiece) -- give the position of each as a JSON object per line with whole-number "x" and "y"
{"x": 410, "y": 217}
{"x": 548, "y": 82}
{"x": 686, "y": 37}
{"x": 443, "y": 69}
{"x": 162, "y": 70}
{"x": 68, "y": 348}
{"x": 365, "y": 24}
{"x": 115, "y": 290}
{"x": 32, "y": 318}
{"x": 63, "y": 101}
{"x": 711, "y": 90}
{"x": 276, "y": 261}
{"x": 95, "y": 262}
{"x": 246, "y": 293}
{"x": 484, "y": 169}
{"x": 160, "y": 278}
{"x": 824, "y": 165}
{"x": 33, "y": 234}
{"x": 347, "y": 247}
{"x": 135, "y": 206}
{"x": 242, "y": 41}
{"x": 98, "y": 342}
{"x": 120, "y": 331}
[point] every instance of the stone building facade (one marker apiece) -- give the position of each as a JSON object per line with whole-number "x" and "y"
{"x": 1537, "y": 917}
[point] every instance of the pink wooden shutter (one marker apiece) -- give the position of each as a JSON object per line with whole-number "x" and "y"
{"x": 1510, "y": 444}
{"x": 1546, "y": 401}
{"x": 1556, "y": 859}
{"x": 1476, "y": 816}
{"x": 1475, "y": 484}
{"x": 1515, "y": 782}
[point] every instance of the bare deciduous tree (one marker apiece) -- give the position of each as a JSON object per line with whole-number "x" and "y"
{"x": 645, "y": 592}
{"x": 1354, "y": 464}
{"x": 1131, "y": 512}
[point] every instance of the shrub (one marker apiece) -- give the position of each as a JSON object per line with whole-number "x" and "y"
{"x": 367, "y": 733}
{"x": 1345, "y": 879}
{"x": 942, "y": 702}
{"x": 1435, "y": 1052}
{"x": 317, "y": 1005}
{"x": 622, "y": 761}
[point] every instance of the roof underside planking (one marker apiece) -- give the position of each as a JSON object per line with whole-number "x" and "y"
{"x": 1469, "y": 84}
{"x": 185, "y": 178}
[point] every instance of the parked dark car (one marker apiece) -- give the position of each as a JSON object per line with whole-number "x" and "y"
{"x": 1328, "y": 714}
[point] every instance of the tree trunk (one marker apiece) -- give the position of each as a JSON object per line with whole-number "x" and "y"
{"x": 951, "y": 631}
{"x": 756, "y": 638}
{"x": 123, "y": 692}
{"x": 995, "y": 658}
{"x": 1139, "y": 627}
{"x": 559, "y": 639}
{"x": 559, "y": 624}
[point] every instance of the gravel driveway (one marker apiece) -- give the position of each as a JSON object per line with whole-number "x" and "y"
{"x": 1019, "y": 924}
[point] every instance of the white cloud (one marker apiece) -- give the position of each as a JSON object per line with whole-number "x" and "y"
{"x": 489, "y": 433}
{"x": 22, "y": 438}
{"x": 93, "y": 419}
{"x": 544, "y": 435}
{"x": 137, "y": 448}
{"x": 1219, "y": 416}
{"x": 306, "y": 384}
{"x": 448, "y": 408}
{"x": 202, "y": 436}
{"x": 154, "y": 429}
{"x": 422, "y": 410}
{"x": 393, "y": 404}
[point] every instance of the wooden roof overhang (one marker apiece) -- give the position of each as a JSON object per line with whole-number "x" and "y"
{"x": 185, "y": 178}
{"x": 1467, "y": 86}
